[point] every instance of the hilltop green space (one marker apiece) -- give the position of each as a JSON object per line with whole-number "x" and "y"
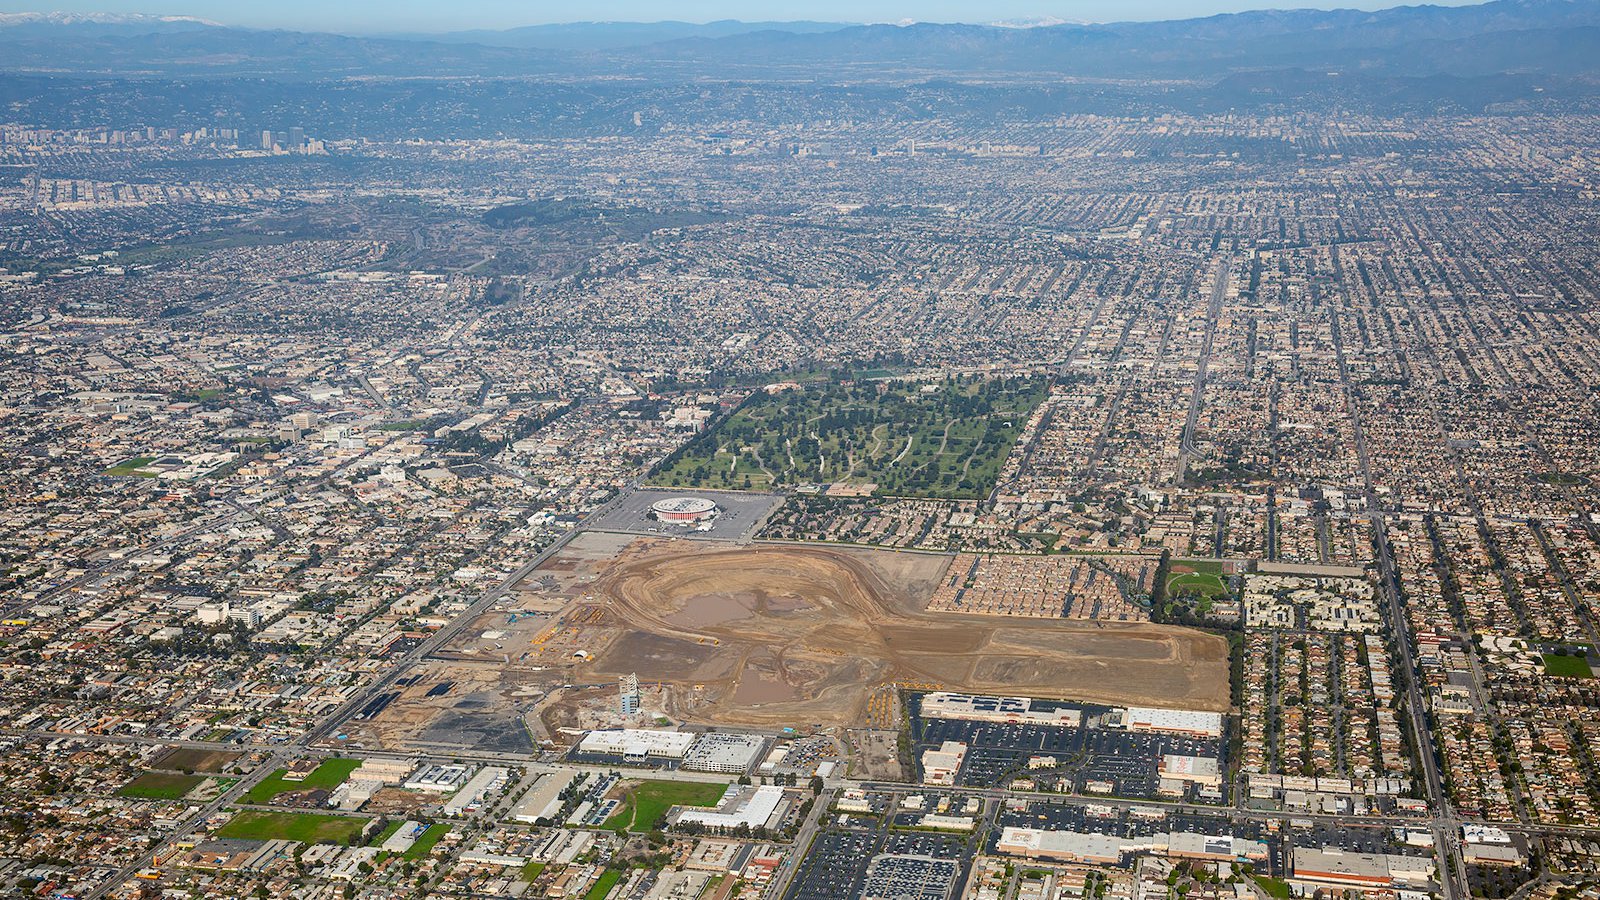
{"x": 944, "y": 438}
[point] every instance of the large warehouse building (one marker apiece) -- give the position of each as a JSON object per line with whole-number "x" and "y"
{"x": 1011, "y": 710}
{"x": 636, "y": 744}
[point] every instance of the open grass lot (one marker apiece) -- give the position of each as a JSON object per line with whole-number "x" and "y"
{"x": 307, "y": 828}
{"x": 1273, "y": 886}
{"x": 911, "y": 439}
{"x": 603, "y": 886}
{"x": 188, "y": 759}
{"x": 1207, "y": 566}
{"x": 387, "y": 832}
{"x": 1567, "y": 666}
{"x": 133, "y": 466}
{"x": 1203, "y": 583}
{"x": 160, "y": 786}
{"x": 327, "y": 776}
{"x": 426, "y": 841}
{"x": 648, "y": 802}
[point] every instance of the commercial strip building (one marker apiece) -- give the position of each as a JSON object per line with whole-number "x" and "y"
{"x": 1313, "y": 869}
{"x": 1188, "y": 722}
{"x": 1108, "y": 849}
{"x": 1010, "y": 710}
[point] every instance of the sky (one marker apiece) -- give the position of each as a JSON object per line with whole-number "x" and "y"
{"x": 380, "y": 16}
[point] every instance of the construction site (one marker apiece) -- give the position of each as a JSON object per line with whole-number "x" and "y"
{"x": 766, "y": 635}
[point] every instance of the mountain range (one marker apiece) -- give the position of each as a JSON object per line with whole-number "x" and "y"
{"x": 1527, "y": 37}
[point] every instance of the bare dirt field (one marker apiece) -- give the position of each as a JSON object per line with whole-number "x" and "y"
{"x": 787, "y": 634}
{"x": 762, "y": 635}
{"x": 182, "y": 758}
{"x": 449, "y": 705}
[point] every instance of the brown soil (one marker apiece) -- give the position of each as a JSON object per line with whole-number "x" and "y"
{"x": 778, "y": 634}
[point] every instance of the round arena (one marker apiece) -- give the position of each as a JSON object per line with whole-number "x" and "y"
{"x": 684, "y": 510}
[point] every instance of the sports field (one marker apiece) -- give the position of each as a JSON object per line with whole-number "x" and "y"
{"x": 133, "y": 466}
{"x": 910, "y": 439}
{"x": 1202, "y": 577}
{"x": 1567, "y": 666}
{"x": 1203, "y": 583}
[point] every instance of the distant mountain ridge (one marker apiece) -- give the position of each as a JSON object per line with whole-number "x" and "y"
{"x": 583, "y": 36}
{"x": 53, "y": 23}
{"x": 1503, "y": 36}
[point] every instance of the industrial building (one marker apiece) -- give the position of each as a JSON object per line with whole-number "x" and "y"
{"x": 443, "y": 778}
{"x": 387, "y": 771}
{"x": 488, "y": 780}
{"x": 404, "y": 837}
{"x": 1010, "y": 710}
{"x": 739, "y": 806}
{"x": 637, "y": 744}
{"x": 544, "y": 801}
{"x": 732, "y": 754}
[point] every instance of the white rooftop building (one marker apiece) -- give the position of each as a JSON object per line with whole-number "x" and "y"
{"x": 637, "y": 743}
{"x": 488, "y": 779}
{"x": 732, "y": 754}
{"x": 1196, "y": 723}
{"x": 754, "y": 809}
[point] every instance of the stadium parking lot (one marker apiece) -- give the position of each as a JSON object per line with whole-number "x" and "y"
{"x": 738, "y": 514}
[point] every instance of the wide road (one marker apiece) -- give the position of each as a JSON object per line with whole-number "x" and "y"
{"x": 1219, "y": 292}
{"x": 1446, "y": 827}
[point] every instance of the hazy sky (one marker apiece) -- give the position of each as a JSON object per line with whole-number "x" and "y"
{"x": 444, "y": 15}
